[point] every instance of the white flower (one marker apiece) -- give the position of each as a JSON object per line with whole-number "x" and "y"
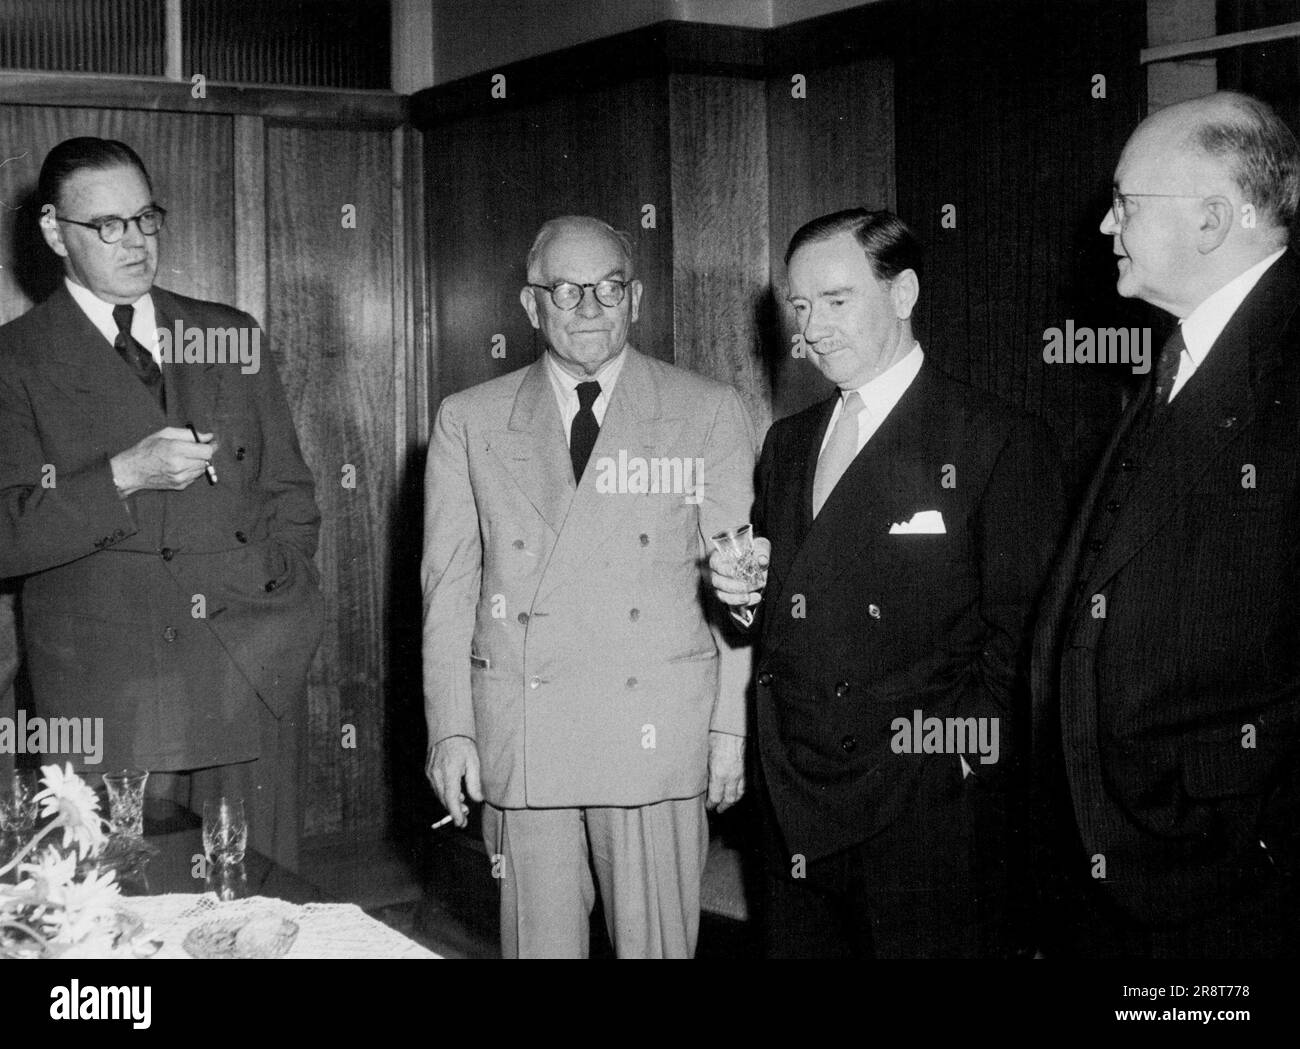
{"x": 74, "y": 806}
{"x": 85, "y": 902}
{"x": 50, "y": 874}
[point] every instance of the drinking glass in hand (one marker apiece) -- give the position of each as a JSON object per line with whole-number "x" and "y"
{"x": 18, "y": 806}
{"x": 737, "y": 546}
{"x": 126, "y": 801}
{"x": 225, "y": 831}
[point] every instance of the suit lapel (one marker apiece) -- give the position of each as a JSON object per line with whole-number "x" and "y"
{"x": 1217, "y": 403}
{"x": 533, "y": 447}
{"x": 870, "y": 496}
{"x": 632, "y": 426}
{"x": 192, "y": 393}
{"x": 87, "y": 367}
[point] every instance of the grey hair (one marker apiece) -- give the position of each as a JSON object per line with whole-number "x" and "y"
{"x": 1259, "y": 150}
{"x": 554, "y": 227}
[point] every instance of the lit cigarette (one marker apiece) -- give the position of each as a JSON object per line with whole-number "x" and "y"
{"x": 442, "y": 822}
{"x": 208, "y": 468}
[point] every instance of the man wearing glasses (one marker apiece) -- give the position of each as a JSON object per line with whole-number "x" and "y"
{"x": 160, "y": 511}
{"x": 572, "y": 680}
{"x": 1166, "y": 678}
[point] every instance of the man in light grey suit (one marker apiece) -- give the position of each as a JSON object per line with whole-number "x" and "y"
{"x": 572, "y": 678}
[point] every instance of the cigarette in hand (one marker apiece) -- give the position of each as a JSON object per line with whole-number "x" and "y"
{"x": 208, "y": 468}
{"x": 442, "y": 822}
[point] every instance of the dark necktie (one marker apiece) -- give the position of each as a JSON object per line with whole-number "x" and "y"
{"x": 1167, "y": 367}
{"x": 138, "y": 359}
{"x": 582, "y": 435}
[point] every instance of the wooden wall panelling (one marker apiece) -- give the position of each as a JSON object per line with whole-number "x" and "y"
{"x": 331, "y": 326}
{"x": 721, "y": 300}
{"x": 830, "y": 150}
{"x": 189, "y": 160}
{"x": 494, "y": 176}
{"x": 250, "y": 215}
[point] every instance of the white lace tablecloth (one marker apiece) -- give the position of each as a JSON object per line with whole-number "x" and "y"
{"x": 325, "y": 930}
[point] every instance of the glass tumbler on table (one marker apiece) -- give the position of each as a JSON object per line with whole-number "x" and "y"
{"x": 126, "y": 801}
{"x": 225, "y": 830}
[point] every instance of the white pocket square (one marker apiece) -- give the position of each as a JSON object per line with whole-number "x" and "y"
{"x": 923, "y": 522}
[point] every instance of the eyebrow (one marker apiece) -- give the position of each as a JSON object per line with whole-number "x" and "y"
{"x": 151, "y": 206}
{"x": 831, "y": 293}
{"x": 608, "y": 276}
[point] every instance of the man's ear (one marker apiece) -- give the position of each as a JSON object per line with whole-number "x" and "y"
{"x": 52, "y": 231}
{"x": 528, "y": 299}
{"x": 635, "y": 289}
{"x": 1217, "y": 218}
{"x": 904, "y": 292}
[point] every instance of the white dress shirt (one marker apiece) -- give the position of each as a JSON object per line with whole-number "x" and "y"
{"x": 1206, "y": 323}
{"x": 878, "y": 397}
{"x": 566, "y": 389}
{"x": 144, "y": 327}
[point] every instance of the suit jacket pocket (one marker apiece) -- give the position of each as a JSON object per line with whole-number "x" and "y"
{"x": 1224, "y": 771}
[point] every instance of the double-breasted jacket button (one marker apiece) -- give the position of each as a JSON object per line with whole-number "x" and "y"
{"x": 518, "y": 544}
{"x": 170, "y": 634}
{"x": 271, "y": 584}
{"x": 765, "y": 678}
{"x": 1113, "y": 506}
{"x": 168, "y": 553}
{"x": 535, "y": 683}
{"x": 631, "y": 682}
{"x": 241, "y": 537}
{"x": 645, "y": 539}
{"x": 849, "y": 744}
{"x": 841, "y": 689}
{"x": 1126, "y": 464}
{"x": 239, "y": 454}
{"x": 873, "y": 611}
{"x": 523, "y": 618}
{"x": 634, "y": 615}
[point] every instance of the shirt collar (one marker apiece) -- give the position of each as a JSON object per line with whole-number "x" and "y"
{"x": 1205, "y": 324}
{"x": 143, "y": 326}
{"x": 884, "y": 391}
{"x": 607, "y": 374}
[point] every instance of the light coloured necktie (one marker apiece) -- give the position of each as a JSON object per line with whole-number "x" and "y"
{"x": 840, "y": 450}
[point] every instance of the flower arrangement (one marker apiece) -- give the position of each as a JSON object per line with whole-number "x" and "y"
{"x": 54, "y": 910}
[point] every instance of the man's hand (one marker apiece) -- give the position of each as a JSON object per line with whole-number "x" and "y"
{"x": 452, "y": 760}
{"x": 169, "y": 460}
{"x": 732, "y": 590}
{"x": 726, "y": 770}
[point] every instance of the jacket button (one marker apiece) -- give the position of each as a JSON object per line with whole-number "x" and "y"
{"x": 873, "y": 611}
{"x": 271, "y": 584}
{"x": 518, "y": 544}
{"x": 523, "y": 618}
{"x": 645, "y": 539}
{"x": 167, "y": 553}
{"x": 765, "y": 678}
{"x": 631, "y": 682}
{"x": 634, "y": 615}
{"x": 535, "y": 683}
{"x": 239, "y": 454}
{"x": 241, "y": 537}
{"x": 841, "y": 689}
{"x": 849, "y": 744}
{"x": 1126, "y": 464}
{"x": 170, "y": 634}
{"x": 1113, "y": 506}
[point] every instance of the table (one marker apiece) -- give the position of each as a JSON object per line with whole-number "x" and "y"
{"x": 171, "y": 893}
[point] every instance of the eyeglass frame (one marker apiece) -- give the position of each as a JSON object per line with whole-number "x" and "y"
{"x": 622, "y": 286}
{"x": 98, "y": 227}
{"x": 1118, "y": 209}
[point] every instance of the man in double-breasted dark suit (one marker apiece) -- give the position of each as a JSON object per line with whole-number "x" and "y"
{"x": 169, "y": 587}
{"x": 910, "y": 521}
{"x": 1167, "y": 663}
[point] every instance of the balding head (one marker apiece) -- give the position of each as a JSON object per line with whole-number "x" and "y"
{"x": 576, "y": 225}
{"x": 1231, "y": 140}
{"x": 1207, "y": 188}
